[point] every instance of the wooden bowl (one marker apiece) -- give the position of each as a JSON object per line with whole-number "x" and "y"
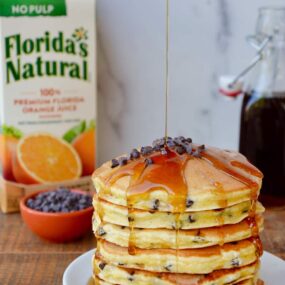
{"x": 57, "y": 227}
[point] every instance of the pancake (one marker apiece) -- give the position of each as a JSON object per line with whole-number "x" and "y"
{"x": 98, "y": 281}
{"x": 119, "y": 215}
{"x": 216, "y": 180}
{"x": 120, "y": 275}
{"x": 192, "y": 261}
{"x": 177, "y": 213}
{"x": 166, "y": 238}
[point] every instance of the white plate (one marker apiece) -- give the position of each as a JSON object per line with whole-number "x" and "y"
{"x": 79, "y": 271}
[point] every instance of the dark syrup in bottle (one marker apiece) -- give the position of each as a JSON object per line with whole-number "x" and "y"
{"x": 262, "y": 141}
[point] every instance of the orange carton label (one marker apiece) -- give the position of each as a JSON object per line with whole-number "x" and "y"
{"x": 47, "y": 99}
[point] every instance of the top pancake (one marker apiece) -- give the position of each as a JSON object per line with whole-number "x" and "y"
{"x": 212, "y": 180}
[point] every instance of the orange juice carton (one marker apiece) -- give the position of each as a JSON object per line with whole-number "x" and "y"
{"x": 47, "y": 97}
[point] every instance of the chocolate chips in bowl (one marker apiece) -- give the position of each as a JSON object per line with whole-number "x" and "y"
{"x": 60, "y": 201}
{"x": 59, "y": 215}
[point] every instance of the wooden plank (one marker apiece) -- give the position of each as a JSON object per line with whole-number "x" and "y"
{"x": 273, "y": 236}
{"x": 36, "y": 269}
{"x": 15, "y": 237}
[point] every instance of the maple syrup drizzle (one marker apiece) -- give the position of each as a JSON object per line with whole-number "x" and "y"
{"x": 91, "y": 281}
{"x": 166, "y": 67}
{"x": 180, "y": 204}
{"x": 219, "y": 190}
{"x": 171, "y": 168}
{"x": 134, "y": 170}
{"x": 100, "y": 209}
{"x": 228, "y": 166}
{"x": 165, "y": 174}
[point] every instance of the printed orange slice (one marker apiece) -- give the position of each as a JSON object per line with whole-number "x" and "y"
{"x": 43, "y": 158}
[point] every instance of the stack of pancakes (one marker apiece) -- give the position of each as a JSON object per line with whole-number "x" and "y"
{"x": 177, "y": 213}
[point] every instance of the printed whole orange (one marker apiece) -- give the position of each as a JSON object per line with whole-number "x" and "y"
{"x": 8, "y": 146}
{"x": 85, "y": 147}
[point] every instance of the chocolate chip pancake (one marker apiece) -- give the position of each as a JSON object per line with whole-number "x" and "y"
{"x": 124, "y": 276}
{"x": 177, "y": 213}
{"x": 119, "y": 215}
{"x": 200, "y": 261}
{"x": 167, "y": 238}
{"x": 215, "y": 180}
{"x": 252, "y": 281}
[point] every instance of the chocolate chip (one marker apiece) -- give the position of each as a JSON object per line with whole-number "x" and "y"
{"x": 156, "y": 148}
{"x": 191, "y": 219}
{"x": 168, "y": 267}
{"x": 199, "y": 239}
{"x": 155, "y": 204}
{"x": 170, "y": 143}
{"x": 132, "y": 273}
{"x": 198, "y": 151}
{"x": 189, "y": 203}
{"x": 131, "y": 278}
{"x": 30, "y": 203}
{"x": 123, "y": 160}
{"x": 101, "y": 232}
{"x": 121, "y": 264}
{"x": 123, "y": 227}
{"x": 235, "y": 262}
{"x": 130, "y": 219}
{"x": 189, "y": 140}
{"x": 180, "y": 149}
{"x": 188, "y": 147}
{"x": 158, "y": 143}
{"x": 148, "y": 161}
{"x": 134, "y": 154}
{"x": 102, "y": 265}
{"x": 196, "y": 154}
{"x": 146, "y": 150}
{"x": 245, "y": 210}
{"x": 201, "y": 147}
{"x": 179, "y": 140}
{"x": 115, "y": 163}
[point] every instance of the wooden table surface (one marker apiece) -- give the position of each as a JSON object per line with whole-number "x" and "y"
{"x": 26, "y": 259}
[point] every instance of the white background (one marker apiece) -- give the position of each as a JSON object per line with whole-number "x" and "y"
{"x": 207, "y": 38}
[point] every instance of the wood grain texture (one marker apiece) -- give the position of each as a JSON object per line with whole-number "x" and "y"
{"x": 26, "y": 259}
